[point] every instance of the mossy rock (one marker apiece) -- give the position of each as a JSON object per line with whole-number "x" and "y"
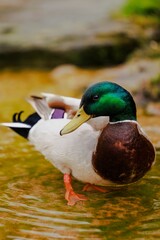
{"x": 143, "y": 7}
{"x": 111, "y": 50}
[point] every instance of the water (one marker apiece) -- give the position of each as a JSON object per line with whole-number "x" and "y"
{"x": 32, "y": 204}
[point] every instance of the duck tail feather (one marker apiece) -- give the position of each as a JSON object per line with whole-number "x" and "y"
{"x": 22, "y": 127}
{"x": 15, "y": 125}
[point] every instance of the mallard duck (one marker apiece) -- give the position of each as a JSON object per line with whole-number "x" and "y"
{"x": 103, "y": 144}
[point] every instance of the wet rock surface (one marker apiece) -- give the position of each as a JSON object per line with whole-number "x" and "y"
{"x": 95, "y": 53}
{"x": 46, "y": 34}
{"x": 39, "y": 22}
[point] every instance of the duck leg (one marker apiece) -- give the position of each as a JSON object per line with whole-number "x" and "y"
{"x": 70, "y": 195}
{"x": 89, "y": 187}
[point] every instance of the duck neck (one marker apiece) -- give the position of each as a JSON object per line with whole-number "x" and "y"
{"x": 119, "y": 118}
{"x": 128, "y": 114}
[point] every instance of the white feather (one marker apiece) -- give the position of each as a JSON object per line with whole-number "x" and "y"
{"x": 72, "y": 102}
{"x": 71, "y": 153}
{"x": 15, "y": 125}
{"x": 41, "y": 107}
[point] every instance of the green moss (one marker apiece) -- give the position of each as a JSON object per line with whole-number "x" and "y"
{"x": 156, "y": 80}
{"x": 143, "y": 7}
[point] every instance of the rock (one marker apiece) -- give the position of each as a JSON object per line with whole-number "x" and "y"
{"x": 44, "y": 35}
{"x": 89, "y": 52}
{"x": 153, "y": 108}
{"x": 151, "y": 89}
{"x": 71, "y": 78}
{"x": 133, "y": 75}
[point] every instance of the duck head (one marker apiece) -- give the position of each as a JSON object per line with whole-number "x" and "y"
{"x": 103, "y": 99}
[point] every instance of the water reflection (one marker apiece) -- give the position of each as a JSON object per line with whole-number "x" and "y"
{"x": 48, "y": 223}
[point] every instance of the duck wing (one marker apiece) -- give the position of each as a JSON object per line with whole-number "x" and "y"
{"x": 41, "y": 106}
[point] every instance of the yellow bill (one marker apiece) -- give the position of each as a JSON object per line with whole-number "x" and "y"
{"x": 77, "y": 121}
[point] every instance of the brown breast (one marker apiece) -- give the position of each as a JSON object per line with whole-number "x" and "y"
{"x": 123, "y": 155}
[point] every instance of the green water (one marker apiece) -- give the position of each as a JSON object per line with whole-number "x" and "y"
{"x": 32, "y": 204}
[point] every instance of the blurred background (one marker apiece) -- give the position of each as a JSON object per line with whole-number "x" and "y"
{"x": 116, "y": 40}
{"x": 62, "y": 46}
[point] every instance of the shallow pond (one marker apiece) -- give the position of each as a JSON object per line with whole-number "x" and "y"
{"x": 32, "y": 204}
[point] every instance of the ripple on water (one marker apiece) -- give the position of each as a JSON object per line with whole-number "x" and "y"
{"x": 150, "y": 227}
{"x": 44, "y": 223}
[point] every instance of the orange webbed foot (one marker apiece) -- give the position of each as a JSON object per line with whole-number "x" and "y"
{"x": 90, "y": 187}
{"x": 71, "y": 197}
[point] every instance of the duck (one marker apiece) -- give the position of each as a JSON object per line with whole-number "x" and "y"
{"x": 96, "y": 140}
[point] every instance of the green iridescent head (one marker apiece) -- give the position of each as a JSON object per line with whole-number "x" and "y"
{"x": 109, "y": 99}
{"x": 103, "y": 99}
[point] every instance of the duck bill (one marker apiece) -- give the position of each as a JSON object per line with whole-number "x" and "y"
{"x": 76, "y": 122}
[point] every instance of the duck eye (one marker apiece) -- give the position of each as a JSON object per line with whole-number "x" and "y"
{"x": 95, "y": 98}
